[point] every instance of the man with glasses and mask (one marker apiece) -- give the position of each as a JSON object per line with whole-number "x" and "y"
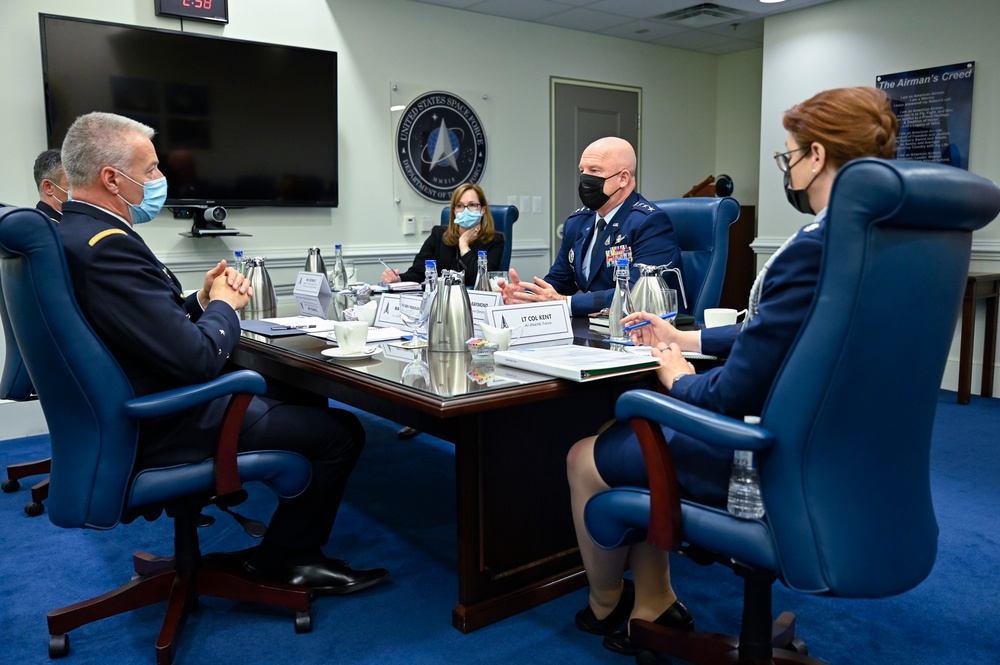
{"x": 615, "y": 221}
{"x": 164, "y": 340}
{"x": 50, "y": 179}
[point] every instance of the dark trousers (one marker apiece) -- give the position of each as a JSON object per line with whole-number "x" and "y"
{"x": 332, "y": 439}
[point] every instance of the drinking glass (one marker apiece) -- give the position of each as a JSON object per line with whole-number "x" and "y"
{"x": 497, "y": 275}
{"x": 670, "y": 303}
{"x": 414, "y": 310}
{"x": 416, "y": 373}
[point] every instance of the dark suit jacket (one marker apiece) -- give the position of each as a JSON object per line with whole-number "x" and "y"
{"x": 53, "y": 214}
{"x": 447, "y": 256}
{"x": 161, "y": 339}
{"x": 755, "y": 352}
{"x": 638, "y": 224}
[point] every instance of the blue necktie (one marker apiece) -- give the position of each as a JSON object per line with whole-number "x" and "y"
{"x": 598, "y": 230}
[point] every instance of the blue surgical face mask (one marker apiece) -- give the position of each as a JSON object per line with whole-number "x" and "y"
{"x": 154, "y": 193}
{"x": 467, "y": 219}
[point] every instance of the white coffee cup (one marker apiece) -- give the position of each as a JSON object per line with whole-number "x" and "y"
{"x": 502, "y": 337}
{"x": 721, "y": 316}
{"x": 367, "y": 312}
{"x": 351, "y": 335}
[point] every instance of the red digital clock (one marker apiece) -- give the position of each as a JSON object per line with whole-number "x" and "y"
{"x": 216, "y": 11}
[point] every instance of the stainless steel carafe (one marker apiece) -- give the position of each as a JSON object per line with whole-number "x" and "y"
{"x": 450, "y": 323}
{"x": 314, "y": 261}
{"x": 263, "y": 303}
{"x": 648, "y": 293}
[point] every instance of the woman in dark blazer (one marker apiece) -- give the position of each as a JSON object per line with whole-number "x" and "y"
{"x": 824, "y": 133}
{"x": 457, "y": 246}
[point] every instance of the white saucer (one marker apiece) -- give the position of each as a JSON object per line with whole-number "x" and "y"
{"x": 365, "y": 352}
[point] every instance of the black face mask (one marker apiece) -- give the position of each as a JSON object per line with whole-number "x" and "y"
{"x": 591, "y": 190}
{"x": 799, "y": 198}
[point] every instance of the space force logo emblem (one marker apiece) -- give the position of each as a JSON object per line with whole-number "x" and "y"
{"x": 440, "y": 143}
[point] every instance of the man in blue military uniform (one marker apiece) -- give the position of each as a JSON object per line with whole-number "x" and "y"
{"x": 616, "y": 221}
{"x": 50, "y": 179}
{"x": 163, "y": 340}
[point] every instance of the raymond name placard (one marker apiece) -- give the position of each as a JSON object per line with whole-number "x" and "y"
{"x": 481, "y": 302}
{"x": 312, "y": 294}
{"x": 539, "y": 321}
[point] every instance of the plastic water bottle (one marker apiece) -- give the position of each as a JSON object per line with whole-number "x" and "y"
{"x": 338, "y": 279}
{"x": 745, "y": 501}
{"x": 482, "y": 274}
{"x": 430, "y": 276}
{"x": 621, "y": 303}
{"x": 238, "y": 265}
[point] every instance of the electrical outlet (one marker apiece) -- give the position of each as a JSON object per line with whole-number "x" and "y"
{"x": 524, "y": 204}
{"x": 425, "y": 224}
{"x": 536, "y": 204}
{"x": 409, "y": 225}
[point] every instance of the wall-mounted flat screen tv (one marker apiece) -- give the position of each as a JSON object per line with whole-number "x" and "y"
{"x": 238, "y": 123}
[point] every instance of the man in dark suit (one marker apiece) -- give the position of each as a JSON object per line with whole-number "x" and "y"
{"x": 50, "y": 179}
{"x": 615, "y": 221}
{"x": 163, "y": 340}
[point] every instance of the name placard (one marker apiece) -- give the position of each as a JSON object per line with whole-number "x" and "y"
{"x": 388, "y": 311}
{"x": 312, "y": 294}
{"x": 539, "y": 321}
{"x": 481, "y": 302}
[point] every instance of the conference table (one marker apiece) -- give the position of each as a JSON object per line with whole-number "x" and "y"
{"x": 511, "y": 430}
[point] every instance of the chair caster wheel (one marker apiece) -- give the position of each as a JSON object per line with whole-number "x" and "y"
{"x": 647, "y": 658}
{"x": 303, "y": 622}
{"x": 34, "y": 509}
{"x": 58, "y": 645}
{"x": 10, "y": 486}
{"x": 798, "y": 645}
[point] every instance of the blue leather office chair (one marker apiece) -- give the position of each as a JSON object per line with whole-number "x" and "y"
{"x": 15, "y": 385}
{"x": 844, "y": 442}
{"x": 702, "y": 228}
{"x": 503, "y": 220}
{"x": 93, "y": 418}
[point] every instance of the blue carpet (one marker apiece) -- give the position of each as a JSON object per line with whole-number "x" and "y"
{"x": 399, "y": 512}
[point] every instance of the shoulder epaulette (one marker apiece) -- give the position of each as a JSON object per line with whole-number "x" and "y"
{"x": 642, "y": 205}
{"x": 104, "y": 234}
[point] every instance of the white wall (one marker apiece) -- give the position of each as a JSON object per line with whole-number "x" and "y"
{"x": 850, "y": 42}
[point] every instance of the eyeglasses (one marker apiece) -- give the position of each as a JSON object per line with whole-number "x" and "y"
{"x": 781, "y": 158}
{"x": 474, "y": 207}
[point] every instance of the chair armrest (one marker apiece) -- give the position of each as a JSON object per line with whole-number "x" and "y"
{"x": 172, "y": 401}
{"x": 646, "y": 410}
{"x": 242, "y": 385}
{"x": 712, "y": 428}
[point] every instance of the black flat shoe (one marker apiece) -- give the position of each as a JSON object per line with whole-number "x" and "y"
{"x": 676, "y": 616}
{"x": 331, "y": 577}
{"x": 588, "y": 622}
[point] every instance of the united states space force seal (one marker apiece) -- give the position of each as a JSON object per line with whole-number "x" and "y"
{"x": 440, "y": 143}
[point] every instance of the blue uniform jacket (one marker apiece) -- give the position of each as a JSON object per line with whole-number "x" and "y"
{"x": 755, "y": 352}
{"x": 161, "y": 339}
{"x": 638, "y": 225}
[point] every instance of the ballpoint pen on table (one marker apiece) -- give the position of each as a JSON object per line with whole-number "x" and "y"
{"x": 388, "y": 267}
{"x": 302, "y": 327}
{"x": 669, "y": 315}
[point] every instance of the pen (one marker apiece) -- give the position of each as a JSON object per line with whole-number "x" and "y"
{"x": 646, "y": 322}
{"x": 293, "y": 327}
{"x": 389, "y": 267}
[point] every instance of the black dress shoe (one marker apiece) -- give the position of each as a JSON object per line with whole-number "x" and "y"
{"x": 407, "y": 433}
{"x": 588, "y": 622}
{"x": 330, "y": 577}
{"x": 676, "y": 616}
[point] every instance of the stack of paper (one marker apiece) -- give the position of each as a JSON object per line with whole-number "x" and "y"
{"x": 576, "y": 363}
